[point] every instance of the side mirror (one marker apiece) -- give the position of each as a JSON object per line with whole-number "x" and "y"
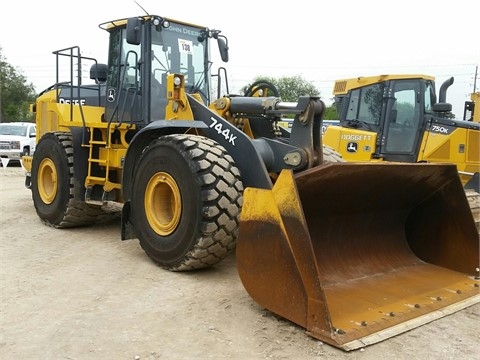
{"x": 223, "y": 48}
{"x": 134, "y": 36}
{"x": 442, "y": 107}
{"x": 98, "y": 72}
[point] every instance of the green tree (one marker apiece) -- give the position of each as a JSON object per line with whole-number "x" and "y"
{"x": 289, "y": 88}
{"x": 331, "y": 113}
{"x": 16, "y": 94}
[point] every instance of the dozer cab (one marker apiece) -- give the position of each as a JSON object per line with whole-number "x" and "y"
{"x": 354, "y": 253}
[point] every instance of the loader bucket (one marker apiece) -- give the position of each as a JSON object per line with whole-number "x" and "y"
{"x": 357, "y": 253}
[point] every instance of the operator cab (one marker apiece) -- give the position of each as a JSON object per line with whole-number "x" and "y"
{"x": 143, "y": 51}
{"x": 396, "y": 110}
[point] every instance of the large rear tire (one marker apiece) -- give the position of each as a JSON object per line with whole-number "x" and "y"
{"x": 53, "y": 184}
{"x": 186, "y": 203}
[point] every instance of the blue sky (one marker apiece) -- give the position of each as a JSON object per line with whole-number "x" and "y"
{"x": 318, "y": 41}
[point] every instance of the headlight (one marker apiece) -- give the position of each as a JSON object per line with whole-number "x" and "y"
{"x": 15, "y": 145}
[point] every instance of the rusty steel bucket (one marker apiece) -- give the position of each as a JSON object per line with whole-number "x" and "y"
{"x": 357, "y": 253}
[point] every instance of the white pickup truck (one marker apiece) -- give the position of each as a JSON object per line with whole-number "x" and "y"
{"x": 16, "y": 139}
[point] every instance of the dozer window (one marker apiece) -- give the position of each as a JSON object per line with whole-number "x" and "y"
{"x": 429, "y": 97}
{"x": 366, "y": 104}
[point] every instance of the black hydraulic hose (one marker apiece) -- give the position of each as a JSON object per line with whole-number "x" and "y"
{"x": 268, "y": 84}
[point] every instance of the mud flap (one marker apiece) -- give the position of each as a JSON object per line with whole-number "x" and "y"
{"x": 358, "y": 253}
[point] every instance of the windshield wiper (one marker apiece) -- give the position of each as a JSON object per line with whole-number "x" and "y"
{"x": 357, "y": 124}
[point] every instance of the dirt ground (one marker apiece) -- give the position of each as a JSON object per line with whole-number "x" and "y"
{"x": 85, "y": 294}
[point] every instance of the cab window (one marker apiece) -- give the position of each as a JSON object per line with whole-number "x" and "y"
{"x": 366, "y": 104}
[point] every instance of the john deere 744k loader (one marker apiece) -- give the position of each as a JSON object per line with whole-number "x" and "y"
{"x": 354, "y": 253}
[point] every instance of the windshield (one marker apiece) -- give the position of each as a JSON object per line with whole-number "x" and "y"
{"x": 17, "y": 130}
{"x": 177, "y": 49}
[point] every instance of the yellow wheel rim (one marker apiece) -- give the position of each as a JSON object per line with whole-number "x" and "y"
{"x": 47, "y": 181}
{"x": 163, "y": 206}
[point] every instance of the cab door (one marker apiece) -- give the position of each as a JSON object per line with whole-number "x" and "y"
{"x": 124, "y": 101}
{"x": 403, "y": 121}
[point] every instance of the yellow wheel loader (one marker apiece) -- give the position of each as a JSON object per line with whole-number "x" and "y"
{"x": 399, "y": 118}
{"x": 354, "y": 253}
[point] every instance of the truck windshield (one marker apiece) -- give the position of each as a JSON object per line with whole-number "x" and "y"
{"x": 16, "y": 130}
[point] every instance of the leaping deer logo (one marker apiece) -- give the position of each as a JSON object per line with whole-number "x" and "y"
{"x": 352, "y": 147}
{"x": 111, "y": 95}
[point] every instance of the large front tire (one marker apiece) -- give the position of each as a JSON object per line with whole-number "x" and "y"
{"x": 186, "y": 202}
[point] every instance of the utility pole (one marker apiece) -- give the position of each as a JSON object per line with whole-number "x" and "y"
{"x": 475, "y": 79}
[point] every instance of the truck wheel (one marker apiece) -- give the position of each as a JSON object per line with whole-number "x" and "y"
{"x": 53, "y": 184}
{"x": 187, "y": 200}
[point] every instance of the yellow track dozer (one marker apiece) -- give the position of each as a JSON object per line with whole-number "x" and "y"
{"x": 400, "y": 118}
{"x": 352, "y": 252}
